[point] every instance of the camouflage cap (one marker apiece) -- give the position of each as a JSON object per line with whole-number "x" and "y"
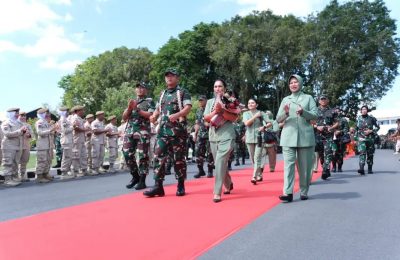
{"x": 172, "y": 71}
{"x": 141, "y": 84}
{"x": 13, "y": 109}
{"x": 202, "y": 97}
{"x": 89, "y": 116}
{"x": 111, "y": 118}
{"x": 99, "y": 113}
{"x": 77, "y": 108}
{"x": 42, "y": 110}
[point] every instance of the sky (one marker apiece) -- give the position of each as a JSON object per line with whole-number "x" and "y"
{"x": 43, "y": 40}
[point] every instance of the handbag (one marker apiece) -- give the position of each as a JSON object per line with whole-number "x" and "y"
{"x": 270, "y": 137}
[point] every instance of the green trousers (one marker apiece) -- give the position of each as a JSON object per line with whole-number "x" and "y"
{"x": 221, "y": 151}
{"x": 304, "y": 158}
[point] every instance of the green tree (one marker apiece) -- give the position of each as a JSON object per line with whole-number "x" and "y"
{"x": 90, "y": 80}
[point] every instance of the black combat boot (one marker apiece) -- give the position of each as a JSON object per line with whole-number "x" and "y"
{"x": 243, "y": 159}
{"x": 237, "y": 162}
{"x": 142, "y": 183}
{"x": 370, "y": 169}
{"x": 325, "y": 174}
{"x": 134, "y": 180}
{"x": 180, "y": 191}
{"x": 361, "y": 170}
{"x": 210, "y": 172}
{"x": 333, "y": 166}
{"x": 201, "y": 172}
{"x": 157, "y": 190}
{"x": 339, "y": 167}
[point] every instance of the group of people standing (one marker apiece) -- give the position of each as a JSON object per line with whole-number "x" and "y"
{"x": 307, "y": 134}
{"x": 82, "y": 142}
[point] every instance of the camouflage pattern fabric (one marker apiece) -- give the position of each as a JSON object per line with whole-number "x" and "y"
{"x": 366, "y": 142}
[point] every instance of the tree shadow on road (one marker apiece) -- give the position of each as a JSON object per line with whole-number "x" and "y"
{"x": 337, "y": 195}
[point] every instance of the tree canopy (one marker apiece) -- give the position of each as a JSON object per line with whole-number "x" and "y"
{"x": 350, "y": 51}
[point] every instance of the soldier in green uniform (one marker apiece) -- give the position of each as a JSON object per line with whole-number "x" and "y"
{"x": 325, "y": 125}
{"x": 340, "y": 145}
{"x": 366, "y": 130}
{"x": 172, "y": 108}
{"x": 137, "y": 136}
{"x": 201, "y": 139}
{"x": 240, "y": 145}
{"x": 59, "y": 150}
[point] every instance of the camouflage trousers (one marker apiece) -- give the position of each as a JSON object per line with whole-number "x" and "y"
{"x": 10, "y": 161}
{"x": 66, "y": 161}
{"x": 98, "y": 151}
{"x": 325, "y": 152}
{"x": 25, "y": 154}
{"x": 366, "y": 150}
{"x": 203, "y": 152}
{"x": 59, "y": 152}
{"x": 79, "y": 157}
{"x": 43, "y": 161}
{"x": 112, "y": 154}
{"x": 240, "y": 150}
{"x": 339, "y": 152}
{"x": 170, "y": 146}
{"x": 129, "y": 147}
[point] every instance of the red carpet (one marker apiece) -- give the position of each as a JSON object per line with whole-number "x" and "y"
{"x": 134, "y": 227}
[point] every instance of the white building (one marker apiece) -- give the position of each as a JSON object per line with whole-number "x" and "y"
{"x": 386, "y": 120}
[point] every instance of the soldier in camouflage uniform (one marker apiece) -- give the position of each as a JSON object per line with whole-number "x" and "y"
{"x": 240, "y": 145}
{"x": 366, "y": 130}
{"x": 201, "y": 139}
{"x": 339, "y": 152}
{"x": 59, "y": 150}
{"x": 137, "y": 136}
{"x": 173, "y": 107}
{"x": 325, "y": 125}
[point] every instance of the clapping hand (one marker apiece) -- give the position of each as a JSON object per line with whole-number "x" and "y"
{"x": 299, "y": 110}
{"x": 132, "y": 104}
{"x": 286, "y": 107}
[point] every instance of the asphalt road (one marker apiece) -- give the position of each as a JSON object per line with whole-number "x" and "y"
{"x": 347, "y": 217}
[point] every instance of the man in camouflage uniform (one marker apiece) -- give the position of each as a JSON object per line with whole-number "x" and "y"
{"x": 112, "y": 142}
{"x": 173, "y": 107}
{"x": 12, "y": 141}
{"x": 137, "y": 136}
{"x": 59, "y": 151}
{"x": 366, "y": 130}
{"x": 339, "y": 152}
{"x": 201, "y": 140}
{"x": 88, "y": 141}
{"x": 240, "y": 145}
{"x": 26, "y": 148}
{"x": 325, "y": 126}
{"x": 79, "y": 157}
{"x": 44, "y": 146}
{"x": 98, "y": 143}
{"x": 66, "y": 140}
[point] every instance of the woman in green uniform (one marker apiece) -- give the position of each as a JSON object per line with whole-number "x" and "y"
{"x": 256, "y": 122}
{"x": 297, "y": 138}
{"x": 221, "y": 137}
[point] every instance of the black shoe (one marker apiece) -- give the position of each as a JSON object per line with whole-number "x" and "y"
{"x": 180, "y": 191}
{"x": 339, "y": 168}
{"x": 210, "y": 172}
{"x": 132, "y": 183}
{"x": 254, "y": 181}
{"x": 324, "y": 175}
{"x": 216, "y": 200}
{"x": 303, "y": 197}
{"x": 370, "y": 169}
{"x": 287, "y": 198}
{"x": 237, "y": 163}
{"x": 230, "y": 188}
{"x": 201, "y": 173}
{"x": 334, "y": 169}
{"x": 142, "y": 183}
{"x": 243, "y": 161}
{"x": 157, "y": 190}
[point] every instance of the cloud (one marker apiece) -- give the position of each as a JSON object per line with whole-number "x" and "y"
{"x": 282, "y": 7}
{"x": 38, "y": 21}
{"x": 53, "y": 63}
